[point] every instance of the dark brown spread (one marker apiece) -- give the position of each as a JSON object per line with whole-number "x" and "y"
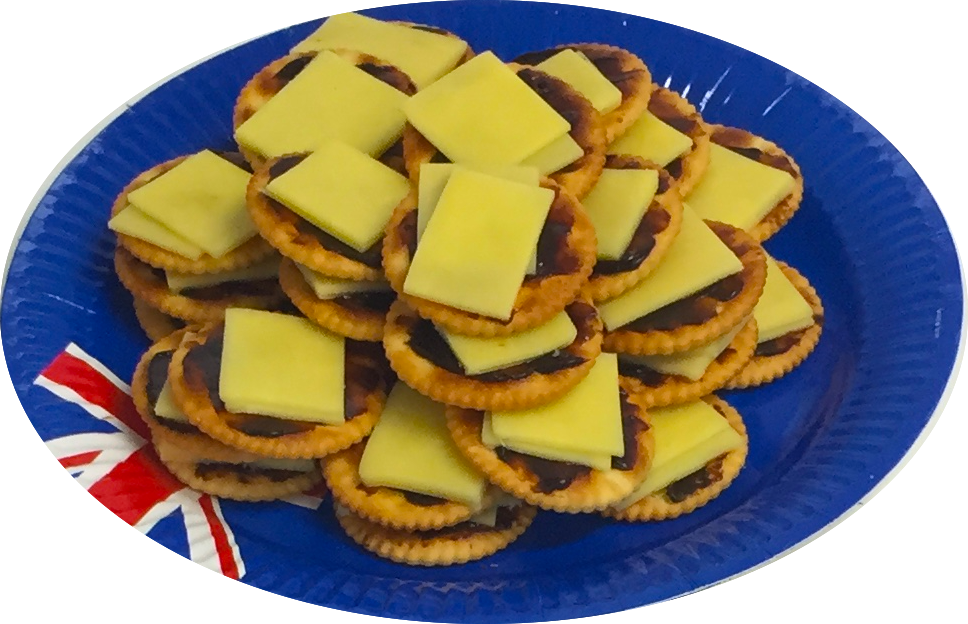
{"x": 203, "y": 363}
{"x": 648, "y": 376}
{"x": 632, "y": 426}
{"x": 367, "y": 302}
{"x": 558, "y": 475}
{"x": 393, "y": 158}
{"x": 387, "y": 74}
{"x": 157, "y": 376}
{"x": 244, "y": 473}
{"x": 236, "y": 158}
{"x": 690, "y": 484}
{"x": 427, "y": 342}
{"x": 503, "y": 521}
{"x": 372, "y": 257}
{"x": 239, "y": 288}
{"x": 292, "y": 69}
{"x": 566, "y": 102}
{"x": 737, "y": 141}
{"x": 422, "y": 500}
{"x": 655, "y": 221}
{"x": 554, "y": 256}
{"x": 552, "y": 475}
{"x": 784, "y": 343}
{"x": 606, "y": 61}
{"x": 667, "y": 112}
{"x": 694, "y": 310}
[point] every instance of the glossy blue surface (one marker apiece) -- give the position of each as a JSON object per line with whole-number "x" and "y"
{"x": 868, "y": 236}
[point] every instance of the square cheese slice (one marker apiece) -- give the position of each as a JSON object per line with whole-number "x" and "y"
{"x": 652, "y": 139}
{"x": 482, "y": 355}
{"x": 281, "y": 366}
{"x": 738, "y": 190}
{"x": 482, "y": 113}
{"x": 781, "y": 308}
{"x": 477, "y": 245}
{"x": 133, "y": 222}
{"x": 616, "y": 205}
{"x": 696, "y": 259}
{"x": 434, "y": 177}
{"x": 331, "y": 99}
{"x": 423, "y": 55}
{"x": 268, "y": 269}
{"x": 202, "y": 199}
{"x": 326, "y": 287}
{"x": 587, "y": 419}
{"x": 598, "y": 461}
{"x": 411, "y": 449}
{"x": 574, "y": 68}
{"x": 342, "y": 191}
{"x": 686, "y": 438}
{"x": 690, "y": 364}
{"x": 556, "y": 155}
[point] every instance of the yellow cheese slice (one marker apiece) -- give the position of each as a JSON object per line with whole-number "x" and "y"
{"x": 133, "y": 222}
{"x": 587, "y": 419}
{"x": 652, "y": 139}
{"x": 282, "y": 366}
{"x": 326, "y": 287}
{"x": 424, "y": 56}
{"x": 411, "y": 449}
{"x": 165, "y": 406}
{"x": 178, "y": 282}
{"x": 616, "y": 205}
{"x": 556, "y": 155}
{"x": 434, "y": 177}
{"x": 482, "y": 232}
{"x": 598, "y": 461}
{"x": 696, "y": 259}
{"x": 202, "y": 199}
{"x": 482, "y": 355}
{"x": 690, "y": 364}
{"x": 738, "y": 190}
{"x": 574, "y": 68}
{"x": 342, "y": 191}
{"x": 482, "y": 113}
{"x": 686, "y": 438}
{"x": 331, "y": 99}
{"x": 781, "y": 308}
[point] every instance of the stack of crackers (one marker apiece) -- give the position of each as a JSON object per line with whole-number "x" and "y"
{"x": 461, "y": 290}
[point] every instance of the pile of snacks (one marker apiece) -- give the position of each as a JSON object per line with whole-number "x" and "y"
{"x": 459, "y": 290}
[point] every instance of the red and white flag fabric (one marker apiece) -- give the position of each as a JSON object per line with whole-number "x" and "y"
{"x": 121, "y": 470}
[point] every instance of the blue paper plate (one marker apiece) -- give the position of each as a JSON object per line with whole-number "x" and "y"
{"x": 868, "y": 236}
